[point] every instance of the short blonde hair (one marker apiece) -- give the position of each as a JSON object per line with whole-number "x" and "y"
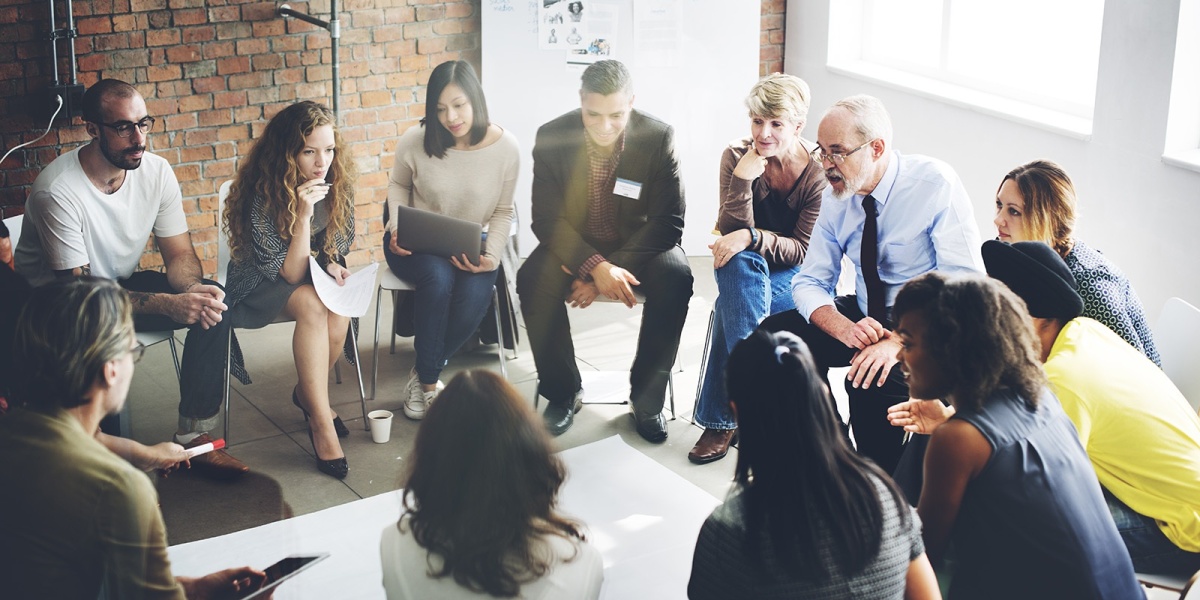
{"x": 780, "y": 95}
{"x": 1050, "y": 202}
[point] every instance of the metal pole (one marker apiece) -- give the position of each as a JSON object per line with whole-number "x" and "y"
{"x": 335, "y": 34}
{"x": 71, "y": 34}
{"x": 53, "y": 43}
{"x": 334, "y": 27}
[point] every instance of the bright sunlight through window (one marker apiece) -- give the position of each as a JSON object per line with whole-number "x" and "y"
{"x": 1032, "y": 58}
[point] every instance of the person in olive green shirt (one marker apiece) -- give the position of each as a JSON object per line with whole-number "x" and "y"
{"x": 77, "y": 520}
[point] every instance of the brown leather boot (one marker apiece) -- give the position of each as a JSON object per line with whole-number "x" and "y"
{"x": 713, "y": 445}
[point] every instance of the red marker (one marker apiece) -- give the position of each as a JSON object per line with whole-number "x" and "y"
{"x": 204, "y": 448}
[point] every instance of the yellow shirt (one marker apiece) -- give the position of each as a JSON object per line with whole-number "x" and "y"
{"x": 1142, "y": 436}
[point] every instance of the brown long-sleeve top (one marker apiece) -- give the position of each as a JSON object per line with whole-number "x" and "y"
{"x": 753, "y": 204}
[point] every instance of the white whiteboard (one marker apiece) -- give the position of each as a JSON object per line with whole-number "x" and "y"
{"x": 701, "y": 94}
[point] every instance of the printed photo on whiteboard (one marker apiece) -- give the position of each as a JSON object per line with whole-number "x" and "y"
{"x": 597, "y": 43}
{"x": 562, "y": 25}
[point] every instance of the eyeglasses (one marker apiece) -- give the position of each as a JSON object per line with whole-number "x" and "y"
{"x": 819, "y": 155}
{"x": 137, "y": 351}
{"x": 125, "y": 128}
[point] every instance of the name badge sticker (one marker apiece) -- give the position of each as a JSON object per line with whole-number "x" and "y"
{"x": 627, "y": 188}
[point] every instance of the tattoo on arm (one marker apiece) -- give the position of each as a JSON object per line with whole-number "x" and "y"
{"x": 139, "y": 301}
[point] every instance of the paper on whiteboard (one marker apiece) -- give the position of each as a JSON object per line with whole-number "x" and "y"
{"x": 349, "y": 300}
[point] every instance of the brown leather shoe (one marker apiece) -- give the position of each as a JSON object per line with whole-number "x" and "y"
{"x": 217, "y": 464}
{"x": 713, "y": 445}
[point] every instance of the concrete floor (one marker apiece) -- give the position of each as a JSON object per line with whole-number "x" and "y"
{"x": 268, "y": 433}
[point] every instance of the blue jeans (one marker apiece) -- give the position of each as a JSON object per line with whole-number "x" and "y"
{"x": 748, "y": 290}
{"x": 1150, "y": 549}
{"x": 449, "y": 304}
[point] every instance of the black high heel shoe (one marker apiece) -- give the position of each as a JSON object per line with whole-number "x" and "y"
{"x": 337, "y": 467}
{"x": 338, "y": 425}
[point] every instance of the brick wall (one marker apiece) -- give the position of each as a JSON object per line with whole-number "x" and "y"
{"x": 213, "y": 72}
{"x": 770, "y": 37}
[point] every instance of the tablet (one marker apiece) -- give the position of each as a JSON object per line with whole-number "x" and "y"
{"x": 281, "y": 572}
{"x": 427, "y": 232}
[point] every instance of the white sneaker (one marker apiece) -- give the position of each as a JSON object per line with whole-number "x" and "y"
{"x": 418, "y": 399}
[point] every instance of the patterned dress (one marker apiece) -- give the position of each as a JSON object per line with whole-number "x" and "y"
{"x": 1108, "y": 297}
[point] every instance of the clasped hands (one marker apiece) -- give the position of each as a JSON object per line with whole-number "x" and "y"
{"x": 199, "y": 302}
{"x": 614, "y": 282}
{"x": 876, "y": 351}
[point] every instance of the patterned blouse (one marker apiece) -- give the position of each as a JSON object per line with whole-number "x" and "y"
{"x": 269, "y": 250}
{"x": 1109, "y": 298}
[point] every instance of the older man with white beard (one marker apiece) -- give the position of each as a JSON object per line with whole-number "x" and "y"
{"x": 895, "y": 216}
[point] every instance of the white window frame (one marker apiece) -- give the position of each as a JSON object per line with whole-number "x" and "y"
{"x": 1182, "y": 144}
{"x": 847, "y": 31}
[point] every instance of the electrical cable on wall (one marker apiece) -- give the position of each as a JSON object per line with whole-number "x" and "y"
{"x": 48, "y": 126}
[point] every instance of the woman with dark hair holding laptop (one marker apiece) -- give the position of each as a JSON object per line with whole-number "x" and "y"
{"x": 478, "y": 517}
{"x": 459, "y": 164}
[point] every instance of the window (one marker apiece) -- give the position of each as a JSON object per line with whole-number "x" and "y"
{"x": 1182, "y": 146}
{"x": 1031, "y": 59}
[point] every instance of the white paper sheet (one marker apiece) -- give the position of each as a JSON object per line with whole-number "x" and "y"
{"x": 349, "y": 300}
{"x": 641, "y": 516}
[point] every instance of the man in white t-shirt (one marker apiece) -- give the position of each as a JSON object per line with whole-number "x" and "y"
{"x": 91, "y": 212}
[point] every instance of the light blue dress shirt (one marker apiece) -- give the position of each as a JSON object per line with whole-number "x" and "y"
{"x": 925, "y": 224}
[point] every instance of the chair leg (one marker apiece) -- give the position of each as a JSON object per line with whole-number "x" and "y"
{"x": 671, "y": 387}
{"x": 225, "y": 396}
{"x": 500, "y": 333}
{"x": 174, "y": 357}
{"x": 712, "y": 315}
{"x": 392, "y": 335}
{"x": 375, "y": 353}
{"x": 362, "y": 393}
{"x": 337, "y": 371}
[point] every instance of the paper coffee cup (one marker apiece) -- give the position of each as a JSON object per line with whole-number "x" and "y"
{"x": 381, "y": 425}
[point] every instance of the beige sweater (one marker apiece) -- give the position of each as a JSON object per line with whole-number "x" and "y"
{"x": 475, "y": 185}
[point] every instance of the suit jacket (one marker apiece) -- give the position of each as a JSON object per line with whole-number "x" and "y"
{"x": 646, "y": 226}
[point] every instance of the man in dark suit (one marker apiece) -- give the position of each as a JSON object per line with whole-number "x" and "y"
{"x": 608, "y": 213}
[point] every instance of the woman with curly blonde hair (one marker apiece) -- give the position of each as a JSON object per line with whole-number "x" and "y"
{"x": 293, "y": 196}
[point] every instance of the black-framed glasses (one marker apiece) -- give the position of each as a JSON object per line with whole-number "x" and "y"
{"x": 125, "y": 128}
{"x": 137, "y": 352}
{"x": 819, "y": 155}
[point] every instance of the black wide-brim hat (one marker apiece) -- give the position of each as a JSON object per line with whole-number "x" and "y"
{"x": 1036, "y": 273}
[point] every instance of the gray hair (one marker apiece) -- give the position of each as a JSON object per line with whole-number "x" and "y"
{"x": 779, "y": 95}
{"x": 871, "y": 119}
{"x": 66, "y": 333}
{"x": 607, "y": 77}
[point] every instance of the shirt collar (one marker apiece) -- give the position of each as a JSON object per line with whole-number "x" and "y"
{"x": 595, "y": 151}
{"x": 884, "y": 188}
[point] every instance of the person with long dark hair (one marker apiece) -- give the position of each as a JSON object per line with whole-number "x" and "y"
{"x": 460, "y": 164}
{"x": 479, "y": 515}
{"x": 1006, "y": 479}
{"x": 293, "y": 196}
{"x": 807, "y": 516}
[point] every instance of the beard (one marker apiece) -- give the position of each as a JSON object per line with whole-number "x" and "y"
{"x": 122, "y": 159}
{"x": 849, "y": 186}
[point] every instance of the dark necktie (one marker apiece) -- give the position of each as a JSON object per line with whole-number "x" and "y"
{"x": 876, "y": 300}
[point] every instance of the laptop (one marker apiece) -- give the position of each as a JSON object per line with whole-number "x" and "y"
{"x": 427, "y": 232}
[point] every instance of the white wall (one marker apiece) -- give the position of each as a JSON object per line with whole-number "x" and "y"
{"x": 1143, "y": 214}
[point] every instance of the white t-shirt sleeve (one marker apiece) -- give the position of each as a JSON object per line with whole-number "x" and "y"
{"x": 170, "y": 221}
{"x": 59, "y": 226}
